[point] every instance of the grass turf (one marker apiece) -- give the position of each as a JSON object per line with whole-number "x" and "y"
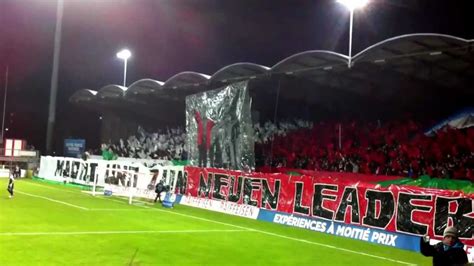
{"x": 46, "y": 224}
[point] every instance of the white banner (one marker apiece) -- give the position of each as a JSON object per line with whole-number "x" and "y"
{"x": 118, "y": 176}
{"x": 247, "y": 211}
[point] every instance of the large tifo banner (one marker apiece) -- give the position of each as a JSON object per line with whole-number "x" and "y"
{"x": 394, "y": 216}
{"x": 118, "y": 177}
{"x": 219, "y": 128}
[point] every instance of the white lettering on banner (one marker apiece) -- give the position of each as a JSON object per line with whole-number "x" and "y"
{"x": 337, "y": 229}
{"x": 228, "y": 207}
{"x": 331, "y": 229}
{"x": 384, "y": 238}
{"x": 84, "y": 172}
{"x": 470, "y": 253}
{"x": 300, "y": 222}
{"x": 364, "y": 234}
{"x": 237, "y": 209}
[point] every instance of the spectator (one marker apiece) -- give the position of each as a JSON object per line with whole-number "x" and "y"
{"x": 384, "y": 148}
{"x": 447, "y": 252}
{"x": 392, "y": 148}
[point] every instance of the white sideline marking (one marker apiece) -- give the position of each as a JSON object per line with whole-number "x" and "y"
{"x": 122, "y": 232}
{"x": 134, "y": 209}
{"x": 53, "y": 200}
{"x": 282, "y": 236}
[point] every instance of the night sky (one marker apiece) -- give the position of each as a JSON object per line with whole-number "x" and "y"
{"x": 167, "y": 37}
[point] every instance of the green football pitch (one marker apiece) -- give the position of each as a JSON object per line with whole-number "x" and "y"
{"x": 52, "y": 224}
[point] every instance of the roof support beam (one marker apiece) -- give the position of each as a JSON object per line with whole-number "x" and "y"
{"x": 425, "y": 63}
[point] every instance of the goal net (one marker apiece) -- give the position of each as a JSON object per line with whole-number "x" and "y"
{"x": 132, "y": 183}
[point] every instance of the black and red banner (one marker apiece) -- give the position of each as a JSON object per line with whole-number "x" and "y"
{"x": 219, "y": 128}
{"x": 402, "y": 209}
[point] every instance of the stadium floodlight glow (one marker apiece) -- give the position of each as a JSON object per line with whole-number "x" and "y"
{"x": 351, "y": 5}
{"x": 124, "y": 55}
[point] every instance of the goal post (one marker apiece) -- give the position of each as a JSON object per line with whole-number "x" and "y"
{"x": 132, "y": 183}
{"x": 171, "y": 175}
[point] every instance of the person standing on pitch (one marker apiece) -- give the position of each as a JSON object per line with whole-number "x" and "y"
{"x": 158, "y": 189}
{"x": 450, "y": 251}
{"x": 11, "y": 185}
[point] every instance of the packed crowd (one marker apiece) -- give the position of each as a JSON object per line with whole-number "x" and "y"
{"x": 166, "y": 145}
{"x": 266, "y": 132}
{"x": 393, "y": 148}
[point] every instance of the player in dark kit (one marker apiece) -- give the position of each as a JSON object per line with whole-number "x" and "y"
{"x": 11, "y": 185}
{"x": 158, "y": 189}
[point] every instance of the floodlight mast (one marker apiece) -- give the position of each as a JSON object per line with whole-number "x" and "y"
{"x": 54, "y": 78}
{"x": 124, "y": 55}
{"x": 352, "y": 5}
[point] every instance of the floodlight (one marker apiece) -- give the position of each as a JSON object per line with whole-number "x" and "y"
{"x": 353, "y": 4}
{"x": 124, "y": 54}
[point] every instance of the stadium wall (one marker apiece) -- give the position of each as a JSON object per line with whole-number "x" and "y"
{"x": 395, "y": 216}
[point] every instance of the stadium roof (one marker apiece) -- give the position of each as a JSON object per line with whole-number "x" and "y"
{"x": 418, "y": 60}
{"x": 111, "y": 91}
{"x": 83, "y": 95}
{"x": 447, "y": 59}
{"x": 238, "y": 71}
{"x": 143, "y": 87}
{"x": 185, "y": 79}
{"x": 309, "y": 61}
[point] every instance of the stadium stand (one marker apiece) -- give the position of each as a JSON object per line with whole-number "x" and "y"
{"x": 393, "y": 148}
{"x": 167, "y": 145}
